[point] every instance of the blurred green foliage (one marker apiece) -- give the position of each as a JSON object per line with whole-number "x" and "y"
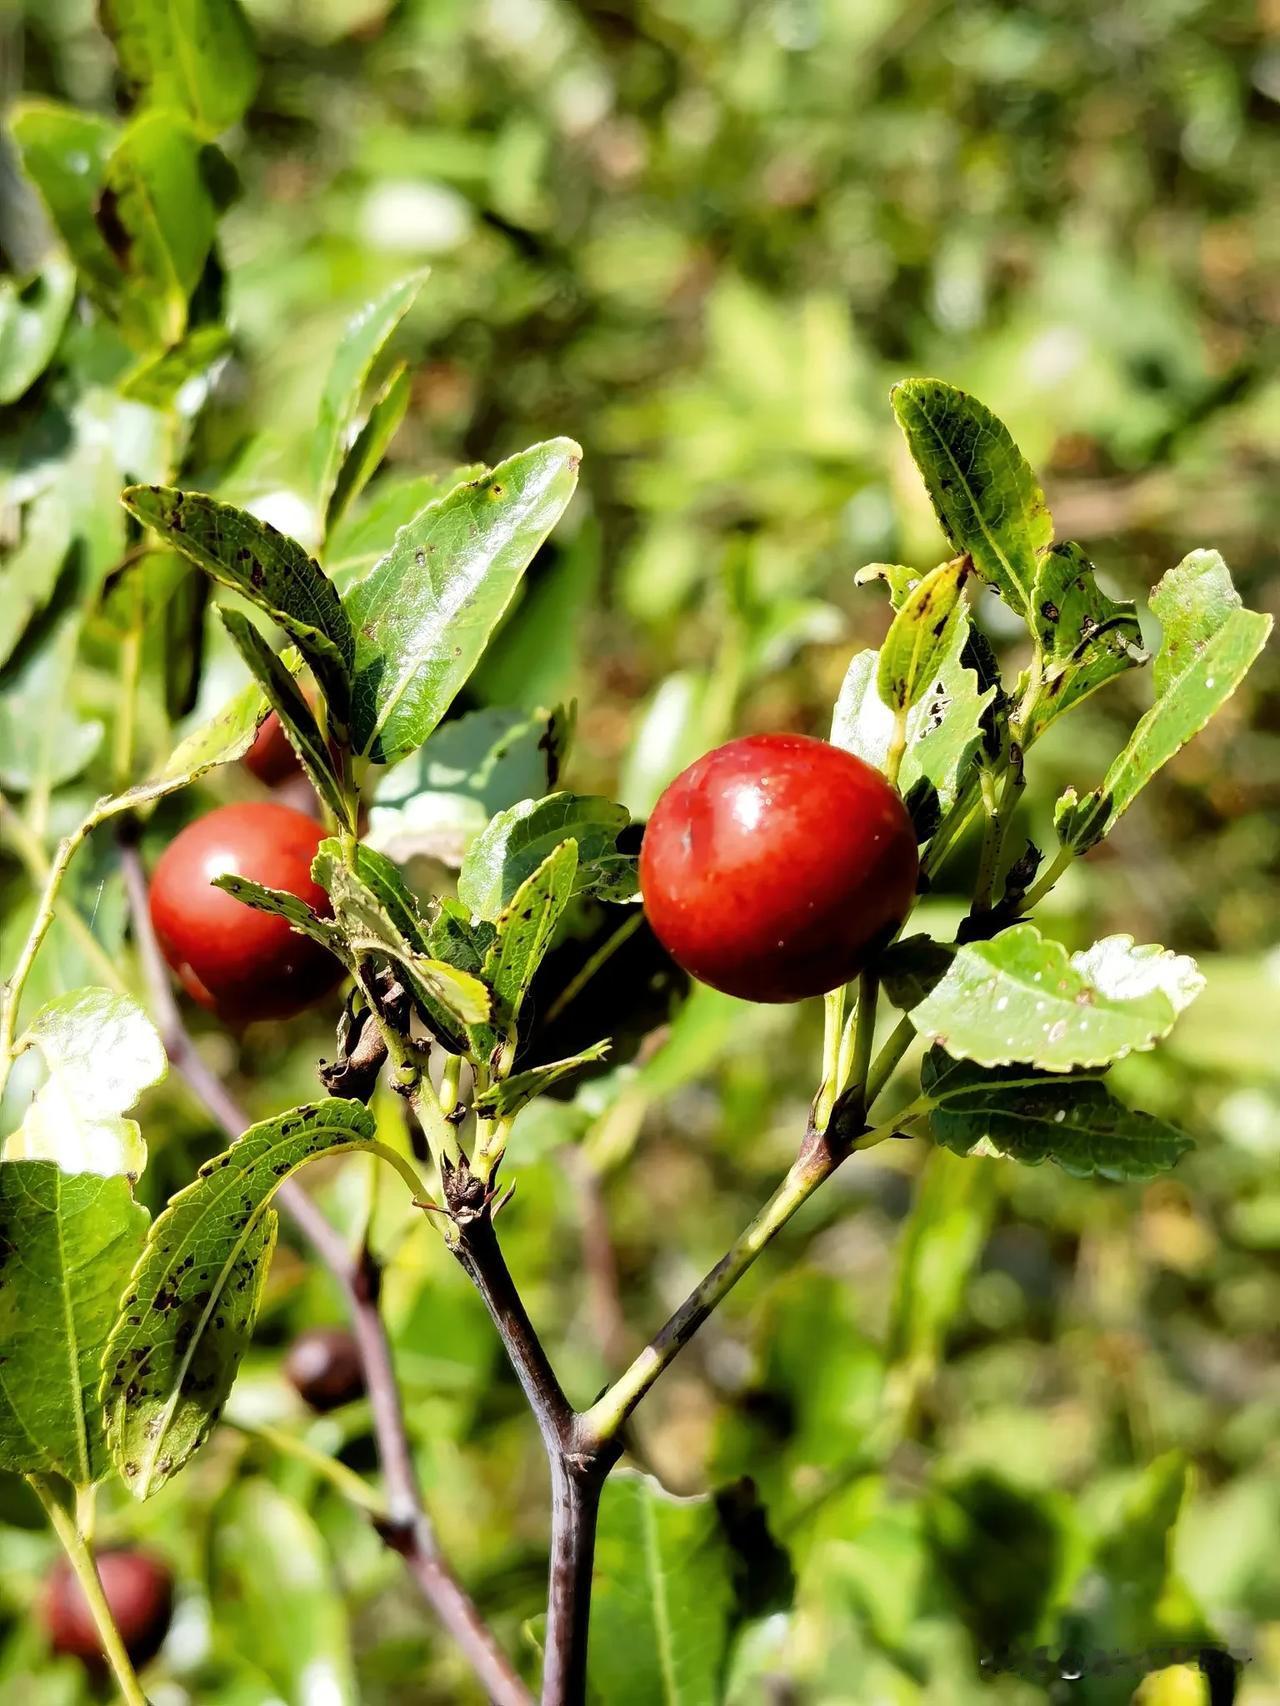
{"x": 704, "y": 239}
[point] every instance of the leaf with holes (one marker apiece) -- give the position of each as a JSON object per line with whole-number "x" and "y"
{"x": 362, "y": 342}
{"x": 922, "y": 635}
{"x": 987, "y": 499}
{"x": 943, "y": 727}
{"x": 1210, "y": 642}
{"x": 1086, "y": 638}
{"x": 190, "y": 1307}
{"x": 517, "y": 841}
{"x": 68, "y": 1243}
{"x": 509, "y": 1095}
{"x": 1033, "y": 1116}
{"x": 268, "y": 568}
{"x": 100, "y": 1052}
{"x": 1021, "y": 997}
{"x": 526, "y": 928}
{"x": 424, "y": 615}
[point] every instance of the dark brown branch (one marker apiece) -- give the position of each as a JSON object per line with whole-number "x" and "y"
{"x": 407, "y": 1528}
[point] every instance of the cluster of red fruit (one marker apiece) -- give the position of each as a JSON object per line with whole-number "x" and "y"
{"x": 773, "y": 869}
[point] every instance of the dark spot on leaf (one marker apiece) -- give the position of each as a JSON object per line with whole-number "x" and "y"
{"x": 114, "y": 232}
{"x": 1050, "y": 611}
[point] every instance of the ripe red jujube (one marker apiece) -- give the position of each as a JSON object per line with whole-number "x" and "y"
{"x": 775, "y": 867}
{"x": 241, "y": 963}
{"x": 139, "y": 1592}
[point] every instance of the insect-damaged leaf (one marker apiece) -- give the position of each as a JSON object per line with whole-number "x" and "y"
{"x": 191, "y": 1304}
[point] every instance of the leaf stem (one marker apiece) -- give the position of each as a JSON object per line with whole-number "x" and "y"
{"x": 352, "y": 1487}
{"x": 1034, "y": 895}
{"x": 81, "y": 1560}
{"x": 899, "y": 1041}
{"x": 897, "y": 745}
{"x": 818, "y": 1159}
{"x": 832, "y": 1028}
{"x": 864, "y": 1036}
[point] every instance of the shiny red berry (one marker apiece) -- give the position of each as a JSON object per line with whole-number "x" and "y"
{"x": 324, "y": 1368}
{"x": 241, "y": 963}
{"x": 776, "y": 866}
{"x": 139, "y": 1592}
{"x": 271, "y": 758}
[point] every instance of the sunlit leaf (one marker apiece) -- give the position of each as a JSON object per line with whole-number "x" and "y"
{"x": 65, "y": 153}
{"x": 362, "y": 460}
{"x": 43, "y": 740}
{"x": 663, "y": 1598}
{"x": 31, "y": 320}
{"x": 68, "y": 1243}
{"x": 268, "y": 568}
{"x": 1210, "y": 641}
{"x": 362, "y": 538}
{"x": 362, "y": 341}
{"x": 526, "y": 926}
{"x": 100, "y": 1052}
{"x": 986, "y": 498}
{"x": 194, "y": 56}
{"x": 517, "y": 841}
{"x": 1085, "y": 637}
{"x": 1021, "y": 997}
{"x": 509, "y": 1095}
{"x": 191, "y": 1304}
{"x": 424, "y": 614}
{"x": 922, "y": 636}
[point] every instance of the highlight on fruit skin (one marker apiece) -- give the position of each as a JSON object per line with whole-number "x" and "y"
{"x": 240, "y": 963}
{"x": 775, "y": 867}
{"x": 138, "y": 1588}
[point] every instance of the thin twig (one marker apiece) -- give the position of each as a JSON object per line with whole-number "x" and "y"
{"x": 407, "y": 1528}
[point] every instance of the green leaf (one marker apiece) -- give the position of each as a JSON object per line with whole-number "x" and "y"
{"x": 509, "y": 1095}
{"x": 450, "y": 999}
{"x": 362, "y": 342}
{"x": 1032, "y": 1117}
{"x": 440, "y": 799}
{"x": 226, "y": 736}
{"x": 359, "y": 541}
{"x": 662, "y": 1603}
{"x": 191, "y": 1305}
{"x": 983, "y": 491}
{"x": 157, "y": 379}
{"x": 425, "y": 613}
{"x": 31, "y": 571}
{"x": 65, "y": 153}
{"x": 363, "y": 459}
{"x": 278, "y": 1593}
{"x": 943, "y": 727}
{"x": 910, "y": 968}
{"x": 31, "y": 320}
{"x": 922, "y": 636}
{"x": 280, "y": 903}
{"x": 1020, "y": 997}
{"x": 100, "y": 1052}
{"x": 517, "y": 841}
{"x": 296, "y": 717}
{"x": 43, "y": 740}
{"x": 272, "y": 571}
{"x": 900, "y": 580}
{"x": 194, "y": 56}
{"x": 526, "y": 927}
{"x": 393, "y": 894}
{"x": 1210, "y": 641}
{"x": 157, "y": 217}
{"x": 1086, "y": 638}
{"x": 68, "y": 1243}
{"x": 945, "y": 1234}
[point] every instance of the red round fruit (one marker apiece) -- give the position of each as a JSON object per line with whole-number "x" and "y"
{"x": 776, "y": 866}
{"x": 241, "y": 963}
{"x": 324, "y": 1368}
{"x": 139, "y": 1592}
{"x": 271, "y": 758}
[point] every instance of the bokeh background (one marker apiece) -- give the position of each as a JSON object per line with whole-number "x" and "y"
{"x": 704, "y": 237}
